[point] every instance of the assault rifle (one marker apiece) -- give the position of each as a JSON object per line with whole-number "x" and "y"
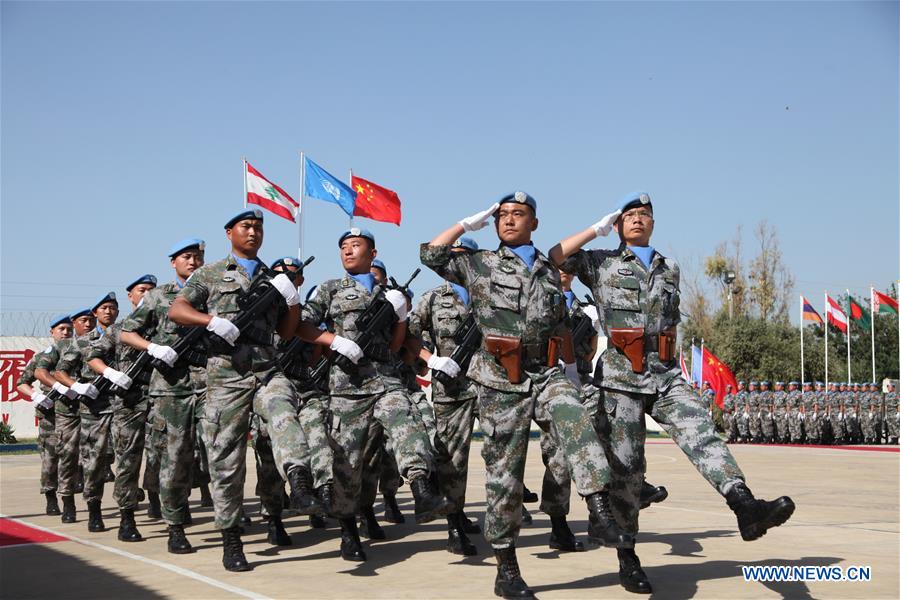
{"x": 138, "y": 373}
{"x": 583, "y": 328}
{"x": 377, "y": 316}
{"x": 254, "y": 302}
{"x": 468, "y": 339}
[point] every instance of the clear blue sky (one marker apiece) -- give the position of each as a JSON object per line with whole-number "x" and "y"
{"x": 124, "y": 124}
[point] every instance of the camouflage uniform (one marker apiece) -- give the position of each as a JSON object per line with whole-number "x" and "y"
{"x": 836, "y": 417}
{"x": 766, "y": 415}
{"x": 177, "y": 398}
{"x": 47, "y": 438}
{"x": 742, "y": 416}
{"x": 67, "y": 424}
{"x": 369, "y": 392}
{"x": 891, "y": 416}
{"x": 753, "y": 400}
{"x": 129, "y": 415}
{"x": 781, "y": 416}
{"x": 852, "y": 401}
{"x": 796, "y": 420}
{"x": 435, "y": 319}
{"x": 239, "y": 380}
{"x": 96, "y": 416}
{"x": 813, "y": 417}
{"x": 511, "y": 300}
{"x": 729, "y": 417}
{"x": 632, "y": 295}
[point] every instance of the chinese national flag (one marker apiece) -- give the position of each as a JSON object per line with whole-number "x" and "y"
{"x": 375, "y": 202}
{"x": 719, "y": 375}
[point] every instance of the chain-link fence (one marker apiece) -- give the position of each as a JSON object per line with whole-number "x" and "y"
{"x": 25, "y": 322}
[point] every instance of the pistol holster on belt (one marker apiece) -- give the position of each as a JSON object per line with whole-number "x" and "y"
{"x": 630, "y": 340}
{"x": 508, "y": 352}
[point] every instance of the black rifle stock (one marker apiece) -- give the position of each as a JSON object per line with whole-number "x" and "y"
{"x": 468, "y": 340}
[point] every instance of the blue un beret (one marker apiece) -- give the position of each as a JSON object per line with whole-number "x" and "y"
{"x": 793, "y": 383}
{"x": 466, "y": 242}
{"x": 81, "y": 312}
{"x": 254, "y": 213}
{"x": 287, "y": 261}
{"x": 378, "y": 264}
{"x": 186, "y": 244}
{"x": 109, "y": 297}
{"x": 356, "y": 232}
{"x": 520, "y": 198}
{"x": 635, "y": 199}
{"x": 59, "y": 320}
{"x": 148, "y": 278}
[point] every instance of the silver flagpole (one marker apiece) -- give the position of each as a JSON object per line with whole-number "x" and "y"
{"x": 301, "y": 213}
{"x": 802, "y": 372}
{"x": 351, "y": 187}
{"x": 849, "y": 317}
{"x": 827, "y": 308}
{"x": 244, "y": 176}
{"x": 872, "y": 324}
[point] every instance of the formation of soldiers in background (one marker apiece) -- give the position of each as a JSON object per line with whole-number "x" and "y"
{"x": 857, "y": 413}
{"x": 327, "y": 389}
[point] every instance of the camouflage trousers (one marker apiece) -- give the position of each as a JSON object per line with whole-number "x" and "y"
{"x": 225, "y": 425}
{"x": 838, "y": 428}
{"x": 315, "y": 420}
{"x": 352, "y": 422}
{"x": 892, "y": 424}
{"x": 128, "y": 425}
{"x": 47, "y": 444}
{"x": 854, "y": 426}
{"x": 742, "y": 420}
{"x": 454, "y": 422}
{"x": 380, "y": 468}
{"x": 871, "y": 425}
{"x": 682, "y": 413}
{"x": 782, "y": 431}
{"x": 767, "y": 425}
{"x": 796, "y": 426}
{"x": 181, "y": 450}
{"x": 755, "y": 424}
{"x": 68, "y": 451}
{"x": 269, "y": 484}
{"x": 505, "y": 418}
{"x": 426, "y": 413}
{"x": 812, "y": 428}
{"x": 730, "y": 426}
{"x": 96, "y": 438}
{"x": 153, "y": 445}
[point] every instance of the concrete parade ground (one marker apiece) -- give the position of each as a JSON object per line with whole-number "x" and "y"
{"x": 847, "y": 514}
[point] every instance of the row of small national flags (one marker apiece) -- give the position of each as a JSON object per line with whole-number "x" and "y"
{"x": 840, "y": 316}
{"x": 362, "y": 198}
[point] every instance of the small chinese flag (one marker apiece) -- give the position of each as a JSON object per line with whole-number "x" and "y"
{"x": 375, "y": 202}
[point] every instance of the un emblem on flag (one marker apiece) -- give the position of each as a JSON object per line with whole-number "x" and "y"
{"x": 332, "y": 189}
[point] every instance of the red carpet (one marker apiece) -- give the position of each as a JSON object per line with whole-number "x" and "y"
{"x": 857, "y": 448}
{"x": 14, "y": 534}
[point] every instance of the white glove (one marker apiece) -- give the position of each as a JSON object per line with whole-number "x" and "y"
{"x": 225, "y": 329}
{"x": 163, "y": 353}
{"x": 286, "y": 287}
{"x": 117, "y": 377}
{"x": 398, "y": 301}
{"x": 591, "y": 311}
{"x": 571, "y": 370}
{"x": 605, "y": 225}
{"x": 65, "y": 391}
{"x": 480, "y": 219}
{"x": 41, "y": 399}
{"x": 347, "y": 348}
{"x": 86, "y": 389}
{"x": 445, "y": 364}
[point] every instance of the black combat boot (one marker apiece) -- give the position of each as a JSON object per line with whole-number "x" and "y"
{"x": 68, "y": 512}
{"x": 95, "y": 519}
{"x": 429, "y": 504}
{"x": 457, "y": 540}
{"x": 128, "y": 531}
{"x": 278, "y": 536}
{"x": 528, "y": 496}
{"x": 392, "y": 512}
{"x": 233, "y": 558}
{"x": 368, "y": 524}
{"x": 317, "y": 522}
{"x": 561, "y": 537}
{"x": 602, "y": 527}
{"x": 526, "y": 516}
{"x": 351, "y": 547}
{"x": 302, "y": 498}
{"x": 325, "y": 494}
{"x": 509, "y": 582}
{"x": 631, "y": 575}
{"x": 178, "y": 542}
{"x": 469, "y": 526}
{"x": 52, "y": 506}
{"x": 755, "y": 517}
{"x": 153, "y": 511}
{"x": 651, "y": 494}
{"x": 205, "y": 497}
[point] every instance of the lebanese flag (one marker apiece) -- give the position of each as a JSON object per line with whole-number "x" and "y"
{"x": 375, "y": 202}
{"x": 264, "y": 193}
{"x": 718, "y": 375}
{"x": 883, "y": 303}
{"x": 835, "y": 315}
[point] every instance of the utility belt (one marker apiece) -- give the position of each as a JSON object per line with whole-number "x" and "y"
{"x": 514, "y": 356}
{"x": 634, "y": 344}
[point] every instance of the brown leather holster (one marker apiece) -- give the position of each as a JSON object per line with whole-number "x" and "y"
{"x": 667, "y": 339}
{"x": 630, "y": 340}
{"x": 508, "y": 352}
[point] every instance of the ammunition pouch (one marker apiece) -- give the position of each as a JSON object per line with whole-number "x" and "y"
{"x": 507, "y": 351}
{"x": 666, "y": 342}
{"x": 630, "y": 342}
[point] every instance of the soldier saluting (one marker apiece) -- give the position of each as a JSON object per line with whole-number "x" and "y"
{"x": 520, "y": 309}
{"x": 636, "y": 289}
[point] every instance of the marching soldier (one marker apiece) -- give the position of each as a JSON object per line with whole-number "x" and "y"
{"x": 755, "y": 412}
{"x": 826, "y": 433}
{"x": 891, "y": 414}
{"x": 853, "y": 401}
{"x": 876, "y": 412}
{"x": 794, "y": 412}
{"x": 780, "y": 413}
{"x": 520, "y": 309}
{"x": 60, "y": 329}
{"x": 369, "y": 389}
{"x": 766, "y": 413}
{"x": 742, "y": 413}
{"x": 834, "y": 398}
{"x": 728, "y": 414}
{"x": 637, "y": 290}
{"x": 110, "y": 358}
{"x": 812, "y": 414}
{"x": 242, "y": 376}
{"x": 96, "y": 409}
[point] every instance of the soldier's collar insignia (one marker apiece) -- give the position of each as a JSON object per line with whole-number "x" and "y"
{"x": 506, "y": 268}
{"x": 626, "y": 272}
{"x": 228, "y": 278}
